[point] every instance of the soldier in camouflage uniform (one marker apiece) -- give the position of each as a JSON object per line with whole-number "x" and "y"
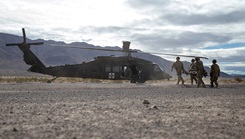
{"x": 214, "y": 73}
{"x": 200, "y": 72}
{"x": 193, "y": 72}
{"x": 178, "y": 66}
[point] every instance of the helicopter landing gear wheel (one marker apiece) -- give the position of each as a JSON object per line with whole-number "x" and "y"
{"x": 133, "y": 81}
{"x": 141, "y": 80}
{"x": 137, "y": 80}
{"x": 50, "y": 81}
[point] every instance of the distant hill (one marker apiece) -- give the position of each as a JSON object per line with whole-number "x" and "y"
{"x": 238, "y": 75}
{"x": 12, "y": 58}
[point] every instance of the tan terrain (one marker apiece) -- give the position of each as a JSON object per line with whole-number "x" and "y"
{"x": 116, "y": 110}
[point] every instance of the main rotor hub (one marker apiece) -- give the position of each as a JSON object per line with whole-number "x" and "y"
{"x": 126, "y": 45}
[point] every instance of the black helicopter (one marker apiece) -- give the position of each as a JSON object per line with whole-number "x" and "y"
{"x": 102, "y": 67}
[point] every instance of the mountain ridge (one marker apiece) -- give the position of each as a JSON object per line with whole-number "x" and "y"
{"x": 11, "y": 57}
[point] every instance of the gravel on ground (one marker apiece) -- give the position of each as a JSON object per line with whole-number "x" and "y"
{"x": 116, "y": 110}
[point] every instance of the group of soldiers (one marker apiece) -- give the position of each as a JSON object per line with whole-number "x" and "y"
{"x": 197, "y": 72}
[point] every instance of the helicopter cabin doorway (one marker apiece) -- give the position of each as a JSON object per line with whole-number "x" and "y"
{"x": 129, "y": 71}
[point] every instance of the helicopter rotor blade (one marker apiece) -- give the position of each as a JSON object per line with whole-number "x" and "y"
{"x": 12, "y": 44}
{"x": 100, "y": 49}
{"x": 179, "y": 55}
{"x": 36, "y": 43}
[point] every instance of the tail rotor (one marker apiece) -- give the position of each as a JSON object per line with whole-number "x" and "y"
{"x": 29, "y": 57}
{"x": 23, "y": 44}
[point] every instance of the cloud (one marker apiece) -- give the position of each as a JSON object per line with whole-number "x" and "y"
{"x": 233, "y": 67}
{"x": 208, "y": 28}
{"x": 226, "y": 46}
{"x": 215, "y": 29}
{"x": 178, "y": 40}
{"x": 199, "y": 19}
{"x": 142, "y": 4}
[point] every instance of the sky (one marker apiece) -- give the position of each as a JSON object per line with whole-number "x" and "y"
{"x": 210, "y": 28}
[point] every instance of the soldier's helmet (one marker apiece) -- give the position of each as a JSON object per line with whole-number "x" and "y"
{"x": 192, "y": 60}
{"x": 214, "y": 61}
{"x": 177, "y": 58}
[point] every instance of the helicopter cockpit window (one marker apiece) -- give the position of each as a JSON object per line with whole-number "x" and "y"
{"x": 157, "y": 68}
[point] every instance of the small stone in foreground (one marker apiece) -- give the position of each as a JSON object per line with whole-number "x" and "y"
{"x": 14, "y": 129}
{"x": 154, "y": 107}
{"x": 146, "y": 102}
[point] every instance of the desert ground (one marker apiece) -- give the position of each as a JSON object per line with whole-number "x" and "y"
{"x": 116, "y": 110}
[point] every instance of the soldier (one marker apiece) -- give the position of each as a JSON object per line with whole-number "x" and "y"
{"x": 214, "y": 73}
{"x": 193, "y": 72}
{"x": 127, "y": 72}
{"x": 178, "y": 66}
{"x": 200, "y": 72}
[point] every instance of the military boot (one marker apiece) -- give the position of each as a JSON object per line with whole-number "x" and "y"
{"x": 216, "y": 84}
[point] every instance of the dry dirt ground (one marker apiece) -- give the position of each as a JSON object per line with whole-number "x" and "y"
{"x": 116, "y": 110}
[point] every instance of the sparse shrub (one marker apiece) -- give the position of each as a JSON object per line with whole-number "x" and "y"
{"x": 20, "y": 79}
{"x": 238, "y": 79}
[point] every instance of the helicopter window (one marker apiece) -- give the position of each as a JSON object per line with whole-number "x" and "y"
{"x": 115, "y": 68}
{"x": 157, "y": 68}
{"x": 108, "y": 68}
